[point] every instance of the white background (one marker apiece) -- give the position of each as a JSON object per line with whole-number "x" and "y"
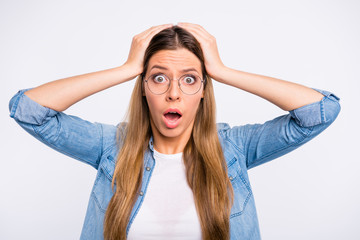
{"x": 311, "y": 193}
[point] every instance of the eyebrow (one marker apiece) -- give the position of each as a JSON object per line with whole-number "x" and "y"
{"x": 164, "y": 68}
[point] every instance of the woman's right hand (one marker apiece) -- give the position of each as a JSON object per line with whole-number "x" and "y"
{"x": 138, "y": 46}
{"x": 61, "y": 94}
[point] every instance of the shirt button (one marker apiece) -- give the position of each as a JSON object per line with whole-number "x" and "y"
{"x": 231, "y": 178}
{"x": 141, "y": 193}
{"x": 147, "y": 168}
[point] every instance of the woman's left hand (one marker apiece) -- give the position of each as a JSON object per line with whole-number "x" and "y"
{"x": 213, "y": 63}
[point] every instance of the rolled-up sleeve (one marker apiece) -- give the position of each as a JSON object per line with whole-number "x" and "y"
{"x": 70, "y": 135}
{"x": 261, "y": 143}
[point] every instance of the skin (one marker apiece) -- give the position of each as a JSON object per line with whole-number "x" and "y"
{"x": 284, "y": 94}
{"x": 172, "y": 140}
{"x": 61, "y": 94}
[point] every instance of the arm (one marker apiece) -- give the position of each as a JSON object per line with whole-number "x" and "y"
{"x": 311, "y": 110}
{"x": 286, "y": 95}
{"x": 61, "y": 94}
{"x": 261, "y": 143}
{"x": 39, "y": 110}
{"x": 67, "y": 134}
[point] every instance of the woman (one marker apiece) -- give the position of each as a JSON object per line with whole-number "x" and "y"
{"x": 171, "y": 171}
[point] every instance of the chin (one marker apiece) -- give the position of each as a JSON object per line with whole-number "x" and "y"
{"x": 164, "y": 131}
{"x": 171, "y": 132}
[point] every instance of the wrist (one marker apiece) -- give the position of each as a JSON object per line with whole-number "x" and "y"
{"x": 220, "y": 73}
{"x": 131, "y": 69}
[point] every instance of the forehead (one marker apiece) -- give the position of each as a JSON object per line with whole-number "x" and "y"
{"x": 175, "y": 60}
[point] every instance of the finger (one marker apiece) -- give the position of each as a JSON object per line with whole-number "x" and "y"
{"x": 200, "y": 36}
{"x": 194, "y": 26}
{"x": 198, "y": 30}
{"x": 199, "y": 33}
{"x": 156, "y": 28}
{"x": 147, "y": 38}
{"x": 153, "y": 30}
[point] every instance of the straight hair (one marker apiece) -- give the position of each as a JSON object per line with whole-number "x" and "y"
{"x": 205, "y": 165}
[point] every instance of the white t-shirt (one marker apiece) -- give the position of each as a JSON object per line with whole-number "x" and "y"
{"x": 168, "y": 210}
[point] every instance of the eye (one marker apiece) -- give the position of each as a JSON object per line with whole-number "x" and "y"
{"x": 159, "y": 78}
{"x": 189, "y": 79}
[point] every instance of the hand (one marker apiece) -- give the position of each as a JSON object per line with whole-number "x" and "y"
{"x": 213, "y": 64}
{"x": 138, "y": 46}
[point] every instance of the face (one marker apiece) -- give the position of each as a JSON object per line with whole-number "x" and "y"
{"x": 165, "y": 123}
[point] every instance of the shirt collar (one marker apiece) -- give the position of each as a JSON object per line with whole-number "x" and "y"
{"x": 151, "y": 143}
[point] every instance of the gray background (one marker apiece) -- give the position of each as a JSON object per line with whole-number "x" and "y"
{"x": 311, "y": 193}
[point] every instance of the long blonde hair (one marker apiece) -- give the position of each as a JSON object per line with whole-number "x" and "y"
{"x": 206, "y": 169}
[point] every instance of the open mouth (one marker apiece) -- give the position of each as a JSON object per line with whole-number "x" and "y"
{"x": 172, "y": 116}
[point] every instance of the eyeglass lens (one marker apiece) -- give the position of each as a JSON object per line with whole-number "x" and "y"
{"x": 160, "y": 83}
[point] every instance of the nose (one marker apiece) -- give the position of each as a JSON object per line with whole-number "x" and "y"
{"x": 174, "y": 91}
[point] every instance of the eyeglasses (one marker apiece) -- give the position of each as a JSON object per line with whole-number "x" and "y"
{"x": 160, "y": 83}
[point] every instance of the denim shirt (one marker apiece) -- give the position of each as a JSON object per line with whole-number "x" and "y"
{"x": 244, "y": 147}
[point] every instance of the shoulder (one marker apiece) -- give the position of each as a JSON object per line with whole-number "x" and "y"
{"x": 111, "y": 135}
{"x": 226, "y": 131}
{"x": 223, "y": 129}
{"x": 222, "y": 126}
{"x": 230, "y": 137}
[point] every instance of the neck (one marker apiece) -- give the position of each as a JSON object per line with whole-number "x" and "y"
{"x": 170, "y": 145}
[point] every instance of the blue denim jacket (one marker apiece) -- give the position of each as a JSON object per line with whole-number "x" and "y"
{"x": 244, "y": 147}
